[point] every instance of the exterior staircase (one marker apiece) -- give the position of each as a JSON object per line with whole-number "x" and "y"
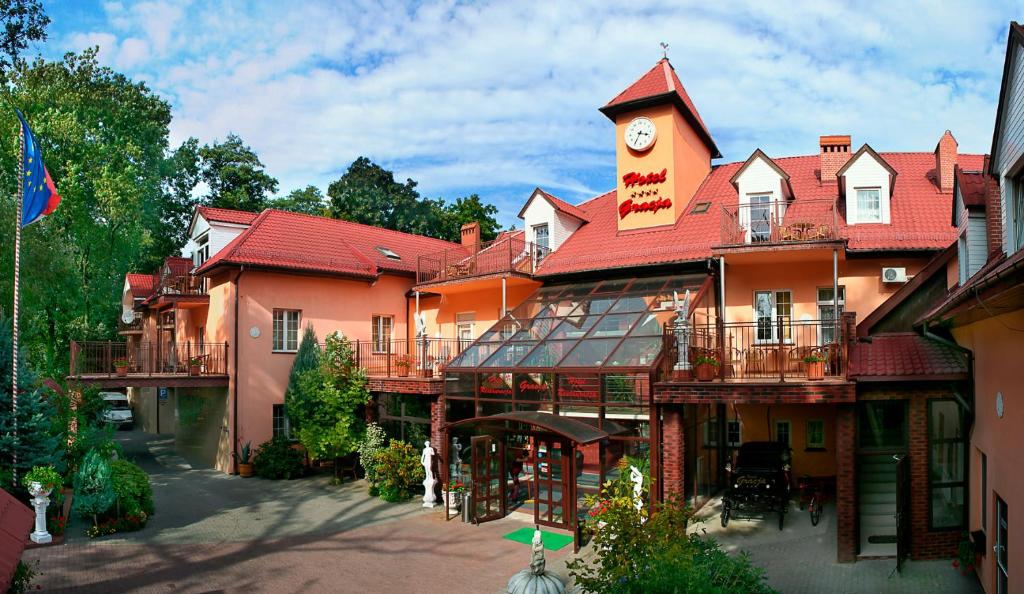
{"x": 876, "y": 500}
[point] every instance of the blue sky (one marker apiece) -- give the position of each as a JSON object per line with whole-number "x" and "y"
{"x": 497, "y": 98}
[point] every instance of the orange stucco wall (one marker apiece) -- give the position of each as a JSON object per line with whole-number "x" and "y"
{"x": 758, "y": 421}
{"x": 484, "y": 303}
{"x": 677, "y": 149}
{"x": 865, "y": 290}
{"x": 997, "y": 358}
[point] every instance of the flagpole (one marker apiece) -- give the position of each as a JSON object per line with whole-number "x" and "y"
{"x": 17, "y": 276}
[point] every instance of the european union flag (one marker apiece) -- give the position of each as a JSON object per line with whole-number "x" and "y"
{"x": 40, "y": 196}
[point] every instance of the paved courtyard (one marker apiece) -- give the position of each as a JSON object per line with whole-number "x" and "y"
{"x": 217, "y": 533}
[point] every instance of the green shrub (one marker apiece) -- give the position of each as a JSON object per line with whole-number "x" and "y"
{"x": 637, "y": 553}
{"x": 374, "y": 442}
{"x": 398, "y": 470}
{"x": 131, "y": 485}
{"x": 47, "y": 476}
{"x": 24, "y": 573}
{"x": 94, "y": 489}
{"x": 277, "y": 459}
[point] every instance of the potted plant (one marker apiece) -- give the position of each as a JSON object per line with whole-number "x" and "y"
{"x": 706, "y": 368}
{"x": 195, "y": 366}
{"x": 245, "y": 460}
{"x": 46, "y": 477}
{"x": 456, "y": 488}
{"x": 815, "y": 366}
{"x": 403, "y": 363}
{"x": 121, "y": 367}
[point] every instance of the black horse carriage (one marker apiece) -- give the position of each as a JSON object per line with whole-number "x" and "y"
{"x": 758, "y": 482}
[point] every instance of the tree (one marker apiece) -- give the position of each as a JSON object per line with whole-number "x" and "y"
{"x": 181, "y": 173}
{"x": 469, "y": 210}
{"x": 325, "y": 401}
{"x": 308, "y": 200}
{"x": 23, "y": 21}
{"x": 307, "y": 359}
{"x": 235, "y": 176}
{"x": 94, "y": 486}
{"x": 36, "y": 443}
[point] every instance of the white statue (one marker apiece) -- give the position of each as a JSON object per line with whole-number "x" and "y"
{"x": 638, "y": 486}
{"x": 40, "y": 499}
{"x": 427, "y": 459}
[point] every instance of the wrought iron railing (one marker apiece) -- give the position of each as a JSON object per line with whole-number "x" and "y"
{"x": 109, "y": 358}
{"x": 424, "y": 357}
{"x": 779, "y": 222}
{"x": 505, "y": 254}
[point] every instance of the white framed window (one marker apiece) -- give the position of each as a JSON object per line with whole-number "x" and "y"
{"x": 769, "y": 306}
{"x": 827, "y": 313}
{"x": 286, "y": 330}
{"x": 814, "y": 433}
{"x": 465, "y": 327}
{"x": 381, "y": 333}
{"x": 202, "y": 251}
{"x": 1016, "y": 191}
{"x": 541, "y": 238}
{"x": 869, "y": 205}
{"x": 733, "y": 433}
{"x": 282, "y": 426}
{"x": 783, "y": 432}
{"x": 759, "y": 218}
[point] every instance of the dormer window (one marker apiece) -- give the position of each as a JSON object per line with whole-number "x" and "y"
{"x": 202, "y": 251}
{"x": 869, "y": 205}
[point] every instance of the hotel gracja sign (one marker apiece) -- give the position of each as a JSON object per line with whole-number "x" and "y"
{"x": 643, "y": 198}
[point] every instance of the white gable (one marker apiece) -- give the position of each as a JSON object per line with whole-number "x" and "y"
{"x": 759, "y": 178}
{"x": 219, "y": 235}
{"x": 1009, "y": 156}
{"x": 866, "y": 172}
{"x": 540, "y": 212}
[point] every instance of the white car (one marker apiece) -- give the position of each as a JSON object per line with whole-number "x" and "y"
{"x": 119, "y": 412}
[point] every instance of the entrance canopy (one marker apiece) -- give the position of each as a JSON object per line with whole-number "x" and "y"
{"x": 601, "y": 326}
{"x": 568, "y": 427}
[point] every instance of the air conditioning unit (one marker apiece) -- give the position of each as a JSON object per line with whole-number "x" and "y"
{"x": 894, "y": 275}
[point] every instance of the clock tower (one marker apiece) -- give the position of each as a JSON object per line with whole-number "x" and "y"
{"x": 663, "y": 149}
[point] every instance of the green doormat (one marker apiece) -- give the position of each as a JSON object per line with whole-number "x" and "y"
{"x": 552, "y": 541}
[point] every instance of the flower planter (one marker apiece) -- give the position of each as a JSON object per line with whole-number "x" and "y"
{"x": 428, "y": 372}
{"x": 403, "y": 372}
{"x": 706, "y": 372}
{"x": 121, "y": 371}
{"x": 816, "y": 370}
{"x": 195, "y": 369}
{"x": 244, "y": 470}
{"x": 454, "y": 498}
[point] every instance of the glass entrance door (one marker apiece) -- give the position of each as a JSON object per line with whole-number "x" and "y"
{"x": 488, "y": 461}
{"x": 1002, "y": 534}
{"x": 552, "y": 462}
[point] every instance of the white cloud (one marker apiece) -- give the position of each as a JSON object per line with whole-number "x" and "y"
{"x": 498, "y": 98}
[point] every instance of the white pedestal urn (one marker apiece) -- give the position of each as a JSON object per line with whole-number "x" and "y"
{"x": 429, "y": 499}
{"x": 40, "y": 499}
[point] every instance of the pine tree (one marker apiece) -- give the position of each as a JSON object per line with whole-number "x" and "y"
{"x": 94, "y": 487}
{"x": 38, "y": 442}
{"x": 307, "y": 358}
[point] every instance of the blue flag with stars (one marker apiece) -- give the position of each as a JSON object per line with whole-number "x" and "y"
{"x": 39, "y": 197}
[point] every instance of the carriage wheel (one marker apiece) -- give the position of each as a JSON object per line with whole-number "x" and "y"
{"x": 725, "y": 517}
{"x": 782, "y": 517}
{"x": 815, "y": 509}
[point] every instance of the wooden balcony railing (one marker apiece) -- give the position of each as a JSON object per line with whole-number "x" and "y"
{"x": 406, "y": 358}
{"x": 100, "y": 358}
{"x": 768, "y": 350}
{"x": 505, "y": 254}
{"x": 185, "y": 284}
{"x": 779, "y": 222}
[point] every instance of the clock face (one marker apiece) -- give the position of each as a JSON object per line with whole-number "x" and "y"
{"x": 640, "y": 134}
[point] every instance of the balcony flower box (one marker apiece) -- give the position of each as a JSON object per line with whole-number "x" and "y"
{"x": 195, "y": 366}
{"x": 403, "y": 363}
{"x": 706, "y": 368}
{"x": 121, "y": 367}
{"x": 815, "y": 367}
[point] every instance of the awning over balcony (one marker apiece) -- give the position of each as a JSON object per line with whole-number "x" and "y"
{"x": 600, "y": 326}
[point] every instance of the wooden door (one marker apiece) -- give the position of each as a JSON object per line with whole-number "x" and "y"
{"x": 488, "y": 473}
{"x": 902, "y": 510}
{"x": 552, "y": 465}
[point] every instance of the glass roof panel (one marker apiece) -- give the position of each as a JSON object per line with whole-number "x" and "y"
{"x": 639, "y": 302}
{"x": 612, "y": 286}
{"x": 590, "y": 352}
{"x": 575, "y": 326}
{"x": 634, "y": 352}
{"x": 578, "y": 290}
{"x": 597, "y": 304}
{"x": 474, "y": 355}
{"x": 652, "y": 323}
{"x": 537, "y": 328}
{"x": 648, "y": 285}
{"x": 548, "y": 354}
{"x": 509, "y": 354}
{"x": 613, "y": 325}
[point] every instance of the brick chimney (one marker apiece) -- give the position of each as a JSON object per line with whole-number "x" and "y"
{"x": 834, "y": 153}
{"x": 945, "y": 161}
{"x": 471, "y": 236}
{"x": 993, "y": 213}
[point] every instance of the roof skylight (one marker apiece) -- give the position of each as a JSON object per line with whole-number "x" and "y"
{"x": 388, "y": 253}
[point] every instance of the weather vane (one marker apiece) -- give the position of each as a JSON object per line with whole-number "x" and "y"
{"x": 664, "y": 50}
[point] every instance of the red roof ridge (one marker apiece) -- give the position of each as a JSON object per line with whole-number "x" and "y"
{"x": 226, "y": 215}
{"x": 364, "y": 225}
{"x": 558, "y": 204}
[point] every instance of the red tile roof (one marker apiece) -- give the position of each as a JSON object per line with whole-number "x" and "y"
{"x": 661, "y": 80}
{"x": 225, "y": 215}
{"x": 558, "y": 204}
{"x": 905, "y": 356}
{"x": 178, "y": 266}
{"x": 974, "y": 185}
{"x": 15, "y": 524}
{"x": 919, "y": 213}
{"x": 140, "y": 285}
{"x": 293, "y": 241}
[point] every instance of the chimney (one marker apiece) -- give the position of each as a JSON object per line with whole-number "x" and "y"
{"x": 993, "y": 213}
{"x": 834, "y": 153}
{"x": 945, "y": 161}
{"x": 471, "y": 236}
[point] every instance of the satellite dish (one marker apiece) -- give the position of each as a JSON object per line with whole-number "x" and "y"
{"x": 127, "y": 316}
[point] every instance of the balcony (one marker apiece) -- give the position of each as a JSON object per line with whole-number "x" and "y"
{"x": 769, "y": 351}
{"x": 774, "y": 223}
{"x": 421, "y": 358}
{"x": 182, "y": 289}
{"x": 509, "y": 254}
{"x": 149, "y": 364}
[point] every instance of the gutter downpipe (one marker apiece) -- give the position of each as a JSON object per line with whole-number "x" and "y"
{"x": 721, "y": 287}
{"x": 234, "y": 396}
{"x": 967, "y": 405}
{"x": 504, "y": 308}
{"x": 835, "y": 295}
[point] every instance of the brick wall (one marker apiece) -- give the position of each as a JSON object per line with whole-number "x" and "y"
{"x": 846, "y": 484}
{"x": 406, "y": 385}
{"x": 436, "y": 423}
{"x": 925, "y": 543}
{"x": 754, "y": 393}
{"x": 673, "y": 450}
{"x": 993, "y": 218}
{"x": 945, "y": 161}
{"x": 834, "y": 153}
